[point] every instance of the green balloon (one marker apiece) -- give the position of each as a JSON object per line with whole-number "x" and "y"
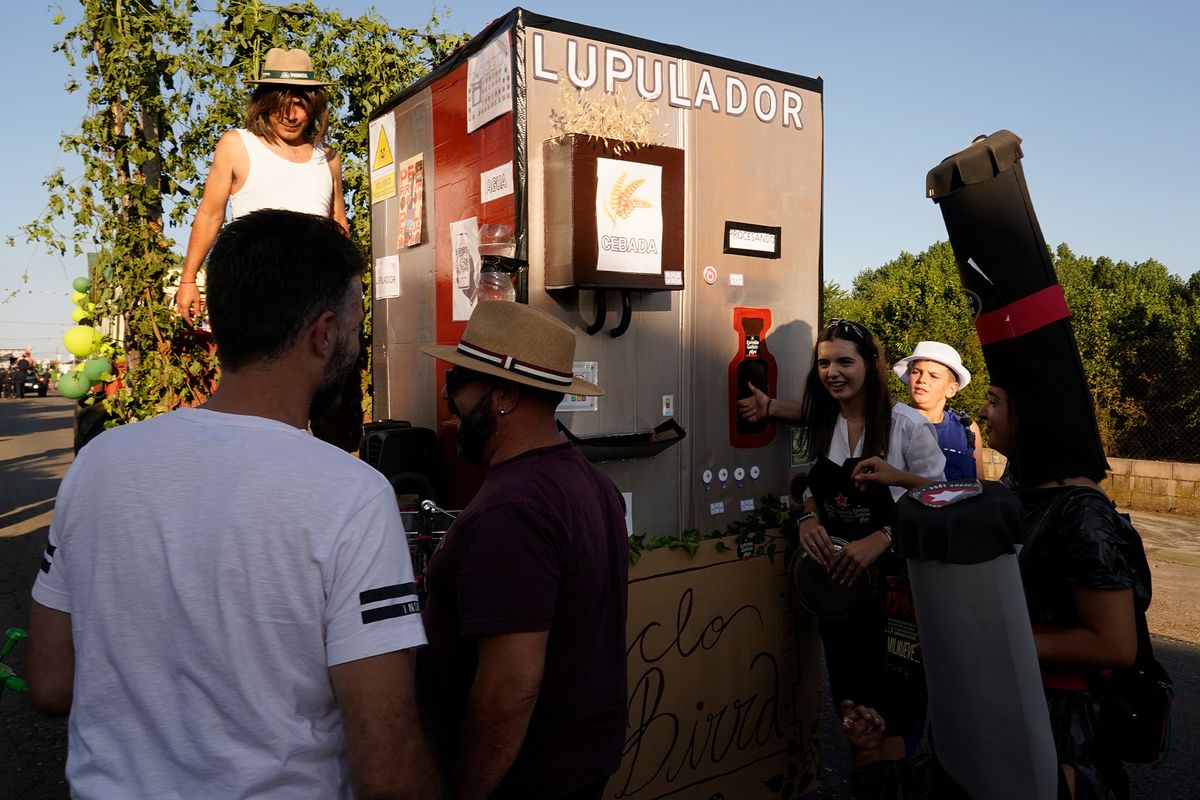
{"x": 78, "y": 297}
{"x": 81, "y": 284}
{"x": 73, "y": 385}
{"x": 80, "y": 341}
{"x": 78, "y": 314}
{"x": 97, "y": 369}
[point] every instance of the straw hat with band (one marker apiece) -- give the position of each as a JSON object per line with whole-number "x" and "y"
{"x": 934, "y": 351}
{"x": 517, "y": 343}
{"x": 289, "y": 67}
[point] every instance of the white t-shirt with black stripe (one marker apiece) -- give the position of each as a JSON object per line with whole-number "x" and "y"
{"x": 214, "y": 566}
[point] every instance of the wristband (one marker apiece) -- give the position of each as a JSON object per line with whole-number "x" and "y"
{"x": 187, "y": 283}
{"x": 886, "y": 530}
{"x": 805, "y": 517}
{"x": 768, "y": 414}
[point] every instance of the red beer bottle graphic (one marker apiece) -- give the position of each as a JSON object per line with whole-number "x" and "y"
{"x": 753, "y": 365}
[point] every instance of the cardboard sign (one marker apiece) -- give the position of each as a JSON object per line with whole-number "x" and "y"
{"x": 722, "y": 679}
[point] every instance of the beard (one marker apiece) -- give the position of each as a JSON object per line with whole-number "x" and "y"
{"x": 476, "y": 429}
{"x": 328, "y": 395}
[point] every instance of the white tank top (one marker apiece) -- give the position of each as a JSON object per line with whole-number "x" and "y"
{"x": 275, "y": 182}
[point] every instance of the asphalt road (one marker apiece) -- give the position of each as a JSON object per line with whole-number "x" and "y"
{"x": 35, "y": 450}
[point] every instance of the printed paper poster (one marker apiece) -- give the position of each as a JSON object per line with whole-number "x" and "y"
{"x": 387, "y": 277}
{"x": 464, "y": 249}
{"x": 382, "y": 140}
{"x": 629, "y": 221}
{"x": 489, "y": 83}
{"x": 412, "y": 201}
{"x": 588, "y": 370}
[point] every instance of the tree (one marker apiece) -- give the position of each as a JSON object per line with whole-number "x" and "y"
{"x": 1137, "y": 327}
{"x": 163, "y": 83}
{"x": 912, "y": 299}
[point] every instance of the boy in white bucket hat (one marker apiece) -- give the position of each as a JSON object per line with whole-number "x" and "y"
{"x": 933, "y": 374}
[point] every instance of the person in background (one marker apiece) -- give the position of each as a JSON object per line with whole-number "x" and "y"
{"x": 279, "y": 160}
{"x": 866, "y": 452}
{"x": 525, "y": 672}
{"x": 933, "y": 374}
{"x": 258, "y": 644}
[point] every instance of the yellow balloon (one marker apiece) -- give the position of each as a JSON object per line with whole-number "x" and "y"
{"x": 80, "y": 341}
{"x": 78, "y": 297}
{"x": 79, "y": 315}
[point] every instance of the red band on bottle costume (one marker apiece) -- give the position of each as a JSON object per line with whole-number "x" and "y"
{"x": 1022, "y": 316}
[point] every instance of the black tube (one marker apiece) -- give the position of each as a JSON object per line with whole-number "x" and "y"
{"x": 600, "y": 304}
{"x": 626, "y": 314}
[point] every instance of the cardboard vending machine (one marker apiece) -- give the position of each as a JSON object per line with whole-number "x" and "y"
{"x": 666, "y": 204}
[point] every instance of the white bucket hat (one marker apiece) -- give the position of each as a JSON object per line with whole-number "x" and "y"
{"x": 934, "y": 351}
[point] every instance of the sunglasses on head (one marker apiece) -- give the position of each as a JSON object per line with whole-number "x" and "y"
{"x": 853, "y": 329}
{"x": 457, "y": 377}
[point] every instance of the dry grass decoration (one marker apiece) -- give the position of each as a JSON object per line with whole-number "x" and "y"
{"x": 609, "y": 118}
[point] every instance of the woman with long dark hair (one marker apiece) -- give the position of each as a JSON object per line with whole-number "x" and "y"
{"x": 1087, "y": 585}
{"x": 866, "y": 452}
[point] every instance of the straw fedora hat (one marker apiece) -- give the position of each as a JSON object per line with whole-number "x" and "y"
{"x": 517, "y": 343}
{"x": 291, "y": 67}
{"x": 934, "y": 351}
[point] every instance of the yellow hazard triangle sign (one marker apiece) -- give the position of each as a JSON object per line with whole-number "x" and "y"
{"x": 383, "y": 151}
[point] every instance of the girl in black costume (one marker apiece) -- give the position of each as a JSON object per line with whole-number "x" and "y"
{"x": 867, "y": 451}
{"x": 1086, "y": 583}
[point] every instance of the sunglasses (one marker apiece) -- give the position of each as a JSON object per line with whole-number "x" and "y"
{"x": 457, "y": 377}
{"x": 853, "y": 329}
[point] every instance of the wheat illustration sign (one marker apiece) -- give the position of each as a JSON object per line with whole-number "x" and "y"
{"x": 629, "y": 221}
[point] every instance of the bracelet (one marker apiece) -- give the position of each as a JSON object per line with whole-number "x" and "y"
{"x": 187, "y": 283}
{"x": 768, "y": 414}
{"x": 886, "y": 530}
{"x": 805, "y": 517}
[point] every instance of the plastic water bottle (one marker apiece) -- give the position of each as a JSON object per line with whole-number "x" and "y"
{"x": 494, "y": 285}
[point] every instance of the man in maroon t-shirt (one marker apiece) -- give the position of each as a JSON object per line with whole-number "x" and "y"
{"x": 525, "y": 669}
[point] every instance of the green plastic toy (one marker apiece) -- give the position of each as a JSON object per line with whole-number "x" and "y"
{"x": 7, "y": 679}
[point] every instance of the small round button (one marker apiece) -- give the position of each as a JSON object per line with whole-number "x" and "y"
{"x": 739, "y": 474}
{"x": 706, "y": 476}
{"x": 754, "y": 472}
{"x": 723, "y": 475}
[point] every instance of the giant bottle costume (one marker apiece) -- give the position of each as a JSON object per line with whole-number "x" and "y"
{"x": 1021, "y": 315}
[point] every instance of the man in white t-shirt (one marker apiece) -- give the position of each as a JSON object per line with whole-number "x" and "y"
{"x": 259, "y": 642}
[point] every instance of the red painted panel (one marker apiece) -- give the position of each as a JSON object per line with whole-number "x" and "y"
{"x": 458, "y": 159}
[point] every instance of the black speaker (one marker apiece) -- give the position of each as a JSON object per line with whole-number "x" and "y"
{"x": 408, "y": 457}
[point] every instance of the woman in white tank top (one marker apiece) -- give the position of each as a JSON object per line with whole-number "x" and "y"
{"x": 277, "y": 161}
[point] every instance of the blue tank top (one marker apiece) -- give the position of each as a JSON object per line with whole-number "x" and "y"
{"x": 952, "y": 438}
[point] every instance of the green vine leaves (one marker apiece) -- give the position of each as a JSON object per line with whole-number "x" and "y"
{"x": 162, "y": 81}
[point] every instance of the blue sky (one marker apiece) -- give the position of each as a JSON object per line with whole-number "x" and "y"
{"x": 1103, "y": 93}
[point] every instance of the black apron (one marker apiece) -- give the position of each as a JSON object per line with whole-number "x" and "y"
{"x": 856, "y": 648}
